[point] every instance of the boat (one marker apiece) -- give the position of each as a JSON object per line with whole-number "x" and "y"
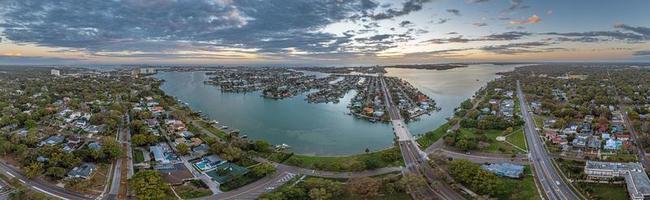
{"x": 214, "y": 122}
{"x": 223, "y": 127}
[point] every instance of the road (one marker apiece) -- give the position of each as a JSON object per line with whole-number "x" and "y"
{"x": 414, "y": 158}
{"x": 40, "y": 185}
{"x": 552, "y": 184}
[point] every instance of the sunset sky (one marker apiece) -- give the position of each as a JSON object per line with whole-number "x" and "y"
{"x": 321, "y": 32}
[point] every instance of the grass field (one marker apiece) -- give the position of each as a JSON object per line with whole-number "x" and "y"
{"x": 385, "y": 158}
{"x": 493, "y": 146}
{"x": 603, "y": 191}
{"x": 138, "y": 156}
{"x": 432, "y": 136}
{"x": 518, "y": 138}
{"x": 522, "y": 189}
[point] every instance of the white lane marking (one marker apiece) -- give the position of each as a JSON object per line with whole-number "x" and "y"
{"x": 12, "y": 176}
{"x": 21, "y": 180}
{"x": 46, "y": 192}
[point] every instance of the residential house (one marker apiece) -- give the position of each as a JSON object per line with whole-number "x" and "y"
{"x": 84, "y": 171}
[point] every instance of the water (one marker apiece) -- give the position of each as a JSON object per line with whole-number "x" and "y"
{"x": 324, "y": 129}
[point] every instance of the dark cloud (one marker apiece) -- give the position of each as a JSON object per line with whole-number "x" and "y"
{"x": 440, "y": 21}
{"x": 452, "y": 33}
{"x": 479, "y": 24}
{"x": 642, "y": 53}
{"x": 4, "y": 59}
{"x": 645, "y": 31}
{"x": 512, "y": 35}
{"x": 579, "y": 39}
{"x": 507, "y": 36}
{"x": 517, "y": 48}
{"x": 617, "y": 35}
{"x": 476, "y": 1}
{"x": 405, "y": 23}
{"x": 514, "y": 6}
{"x": 407, "y": 7}
{"x": 454, "y": 11}
{"x": 147, "y": 25}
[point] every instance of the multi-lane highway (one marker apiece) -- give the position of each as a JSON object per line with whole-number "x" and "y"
{"x": 414, "y": 158}
{"x": 552, "y": 184}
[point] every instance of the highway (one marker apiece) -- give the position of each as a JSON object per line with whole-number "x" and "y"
{"x": 414, "y": 158}
{"x": 552, "y": 184}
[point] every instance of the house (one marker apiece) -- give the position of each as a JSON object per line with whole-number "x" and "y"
{"x": 53, "y": 140}
{"x": 613, "y": 144}
{"x": 201, "y": 149}
{"x": 185, "y": 134}
{"x": 637, "y": 181}
{"x": 593, "y": 143}
{"x": 152, "y": 123}
{"x": 579, "y": 142}
{"x": 159, "y": 154}
{"x": 196, "y": 141}
{"x": 94, "y": 146}
{"x": 505, "y": 169}
{"x": 84, "y": 171}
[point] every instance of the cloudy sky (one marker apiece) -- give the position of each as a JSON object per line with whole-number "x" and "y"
{"x": 321, "y": 32}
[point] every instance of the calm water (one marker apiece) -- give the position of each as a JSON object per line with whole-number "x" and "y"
{"x": 324, "y": 129}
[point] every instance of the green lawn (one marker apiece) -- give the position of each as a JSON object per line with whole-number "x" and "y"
{"x": 138, "y": 156}
{"x": 211, "y": 128}
{"x": 193, "y": 189}
{"x": 385, "y": 158}
{"x": 432, "y": 136}
{"x": 494, "y": 145}
{"x": 518, "y": 138}
{"x": 524, "y": 188}
{"x": 603, "y": 191}
{"x": 539, "y": 121}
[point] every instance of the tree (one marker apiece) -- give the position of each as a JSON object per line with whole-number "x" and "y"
{"x": 262, "y": 146}
{"x": 319, "y": 194}
{"x": 231, "y": 153}
{"x": 33, "y": 170}
{"x": 56, "y": 172}
{"x": 263, "y": 169}
{"x": 139, "y": 140}
{"x": 148, "y": 184}
{"x": 364, "y": 187}
{"x": 412, "y": 182}
{"x": 183, "y": 149}
{"x": 111, "y": 148}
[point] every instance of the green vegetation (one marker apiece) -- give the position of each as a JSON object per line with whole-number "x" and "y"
{"x": 601, "y": 191}
{"x": 385, "y": 158}
{"x": 476, "y": 179}
{"x": 148, "y": 184}
{"x": 467, "y": 139}
{"x": 256, "y": 172}
{"x": 432, "y": 136}
{"x": 390, "y": 187}
{"x": 138, "y": 156}
{"x": 193, "y": 189}
{"x": 522, "y": 189}
{"x": 518, "y": 138}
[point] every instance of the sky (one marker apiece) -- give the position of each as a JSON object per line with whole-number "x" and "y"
{"x": 321, "y": 32}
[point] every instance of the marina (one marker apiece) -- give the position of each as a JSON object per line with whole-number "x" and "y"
{"x": 325, "y": 128}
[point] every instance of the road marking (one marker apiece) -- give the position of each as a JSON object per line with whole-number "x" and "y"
{"x": 46, "y": 192}
{"x": 12, "y": 176}
{"x": 21, "y": 180}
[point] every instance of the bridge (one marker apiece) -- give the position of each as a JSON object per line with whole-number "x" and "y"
{"x": 414, "y": 158}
